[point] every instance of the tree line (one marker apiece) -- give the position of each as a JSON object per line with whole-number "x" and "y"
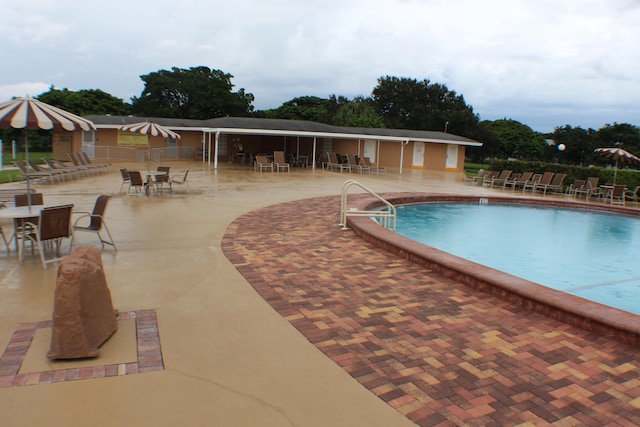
{"x": 396, "y": 102}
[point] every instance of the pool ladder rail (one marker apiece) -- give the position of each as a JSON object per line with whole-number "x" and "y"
{"x": 386, "y": 218}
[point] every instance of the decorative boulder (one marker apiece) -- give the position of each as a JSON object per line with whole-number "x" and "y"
{"x": 83, "y": 314}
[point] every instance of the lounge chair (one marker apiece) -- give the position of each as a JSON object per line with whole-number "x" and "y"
{"x": 78, "y": 161}
{"x": 54, "y": 225}
{"x": 518, "y": 182}
{"x": 499, "y": 180}
{"x": 353, "y": 163}
{"x": 86, "y": 160}
{"x": 334, "y": 163}
{"x": 544, "y": 180}
{"x": 41, "y": 176}
{"x": 65, "y": 172}
{"x": 96, "y": 221}
{"x": 555, "y": 185}
{"x": 279, "y": 162}
{"x": 591, "y": 188}
{"x": 262, "y": 164}
{"x": 180, "y": 180}
{"x": 367, "y": 162}
{"x": 512, "y": 178}
{"x": 578, "y": 185}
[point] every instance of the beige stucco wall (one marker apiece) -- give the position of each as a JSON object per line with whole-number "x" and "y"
{"x": 435, "y": 155}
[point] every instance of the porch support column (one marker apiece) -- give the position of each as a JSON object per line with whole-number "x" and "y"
{"x": 402, "y": 145}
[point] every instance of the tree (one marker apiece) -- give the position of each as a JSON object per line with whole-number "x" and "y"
{"x": 578, "y": 142}
{"x": 409, "y": 104}
{"x": 358, "y": 113}
{"x": 310, "y": 108}
{"x": 85, "y": 102}
{"x": 517, "y": 140}
{"x": 194, "y": 93}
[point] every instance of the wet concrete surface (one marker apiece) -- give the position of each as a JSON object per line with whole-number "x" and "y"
{"x": 228, "y": 358}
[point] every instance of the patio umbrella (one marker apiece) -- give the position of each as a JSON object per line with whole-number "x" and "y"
{"x": 150, "y": 129}
{"x": 31, "y": 114}
{"x": 619, "y": 155}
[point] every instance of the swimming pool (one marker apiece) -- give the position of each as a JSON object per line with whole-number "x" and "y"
{"x": 589, "y": 254}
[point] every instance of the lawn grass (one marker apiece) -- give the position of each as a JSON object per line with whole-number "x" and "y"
{"x": 472, "y": 169}
{"x": 9, "y": 173}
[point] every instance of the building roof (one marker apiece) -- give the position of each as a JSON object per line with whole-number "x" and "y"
{"x": 262, "y": 126}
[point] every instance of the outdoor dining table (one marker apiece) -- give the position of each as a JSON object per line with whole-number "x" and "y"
{"x": 151, "y": 175}
{"x": 16, "y": 213}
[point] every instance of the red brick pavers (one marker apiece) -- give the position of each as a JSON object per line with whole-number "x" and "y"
{"x": 149, "y": 355}
{"x": 439, "y": 352}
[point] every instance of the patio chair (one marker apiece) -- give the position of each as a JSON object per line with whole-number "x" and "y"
{"x": 279, "y": 162}
{"x": 161, "y": 180}
{"x": 125, "y": 178}
{"x": 262, "y": 164}
{"x": 96, "y": 221}
{"x": 632, "y": 195}
{"x": 53, "y": 226}
{"x": 180, "y": 180}
{"x": 135, "y": 182}
{"x": 23, "y": 200}
{"x": 617, "y": 195}
{"x": 4, "y": 237}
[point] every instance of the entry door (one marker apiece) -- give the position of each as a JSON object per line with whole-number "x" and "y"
{"x": 418, "y": 155}
{"x": 452, "y": 157}
{"x": 370, "y": 150}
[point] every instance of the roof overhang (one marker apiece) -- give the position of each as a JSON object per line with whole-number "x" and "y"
{"x": 262, "y": 127}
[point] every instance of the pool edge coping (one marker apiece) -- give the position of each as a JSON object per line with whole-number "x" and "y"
{"x": 585, "y": 314}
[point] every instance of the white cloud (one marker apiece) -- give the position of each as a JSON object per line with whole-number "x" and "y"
{"x": 542, "y": 62}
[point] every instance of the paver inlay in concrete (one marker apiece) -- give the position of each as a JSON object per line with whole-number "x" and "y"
{"x": 437, "y": 351}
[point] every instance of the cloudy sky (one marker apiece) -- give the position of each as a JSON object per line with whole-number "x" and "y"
{"x": 545, "y": 63}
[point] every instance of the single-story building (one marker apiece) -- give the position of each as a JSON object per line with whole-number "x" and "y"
{"x": 226, "y": 139}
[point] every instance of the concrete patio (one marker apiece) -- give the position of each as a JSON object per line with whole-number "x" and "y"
{"x": 227, "y": 356}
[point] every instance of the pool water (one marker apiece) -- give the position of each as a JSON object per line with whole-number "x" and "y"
{"x": 593, "y": 255}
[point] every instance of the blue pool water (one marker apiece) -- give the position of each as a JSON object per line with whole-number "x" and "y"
{"x": 593, "y": 255}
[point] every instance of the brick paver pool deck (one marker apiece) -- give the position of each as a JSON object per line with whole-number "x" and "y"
{"x": 435, "y": 350}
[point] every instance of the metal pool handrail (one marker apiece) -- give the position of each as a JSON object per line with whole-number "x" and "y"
{"x": 386, "y": 218}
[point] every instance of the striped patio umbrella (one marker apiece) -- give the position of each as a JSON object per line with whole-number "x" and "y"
{"x": 151, "y": 129}
{"x": 31, "y": 114}
{"x": 619, "y": 155}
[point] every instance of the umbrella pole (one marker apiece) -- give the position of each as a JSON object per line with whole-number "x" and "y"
{"x": 26, "y": 158}
{"x": 615, "y": 172}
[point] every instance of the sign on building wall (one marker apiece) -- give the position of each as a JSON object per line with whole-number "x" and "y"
{"x": 132, "y": 138}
